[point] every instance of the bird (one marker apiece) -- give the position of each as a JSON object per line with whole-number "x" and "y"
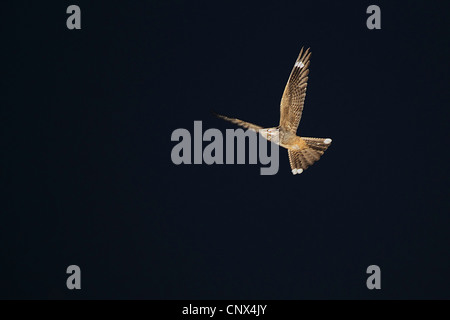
{"x": 303, "y": 151}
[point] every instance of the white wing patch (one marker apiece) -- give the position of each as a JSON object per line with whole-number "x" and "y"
{"x": 299, "y": 64}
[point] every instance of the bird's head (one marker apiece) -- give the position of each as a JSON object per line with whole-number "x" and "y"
{"x": 271, "y": 134}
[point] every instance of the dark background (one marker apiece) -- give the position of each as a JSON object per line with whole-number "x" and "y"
{"x": 87, "y": 117}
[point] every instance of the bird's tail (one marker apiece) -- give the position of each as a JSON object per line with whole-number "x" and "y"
{"x": 301, "y": 159}
{"x": 241, "y": 123}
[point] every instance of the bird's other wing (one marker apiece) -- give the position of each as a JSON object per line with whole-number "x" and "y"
{"x": 241, "y": 123}
{"x": 294, "y": 93}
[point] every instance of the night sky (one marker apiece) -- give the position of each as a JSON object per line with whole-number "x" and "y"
{"x": 87, "y": 176}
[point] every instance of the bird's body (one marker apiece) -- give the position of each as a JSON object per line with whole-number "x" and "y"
{"x": 303, "y": 152}
{"x": 283, "y": 138}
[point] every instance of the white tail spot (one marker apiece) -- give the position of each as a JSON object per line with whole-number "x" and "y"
{"x": 327, "y": 141}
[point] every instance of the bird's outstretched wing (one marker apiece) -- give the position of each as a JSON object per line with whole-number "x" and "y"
{"x": 241, "y": 123}
{"x": 294, "y": 93}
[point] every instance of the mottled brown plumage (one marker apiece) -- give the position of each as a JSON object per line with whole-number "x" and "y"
{"x": 303, "y": 152}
